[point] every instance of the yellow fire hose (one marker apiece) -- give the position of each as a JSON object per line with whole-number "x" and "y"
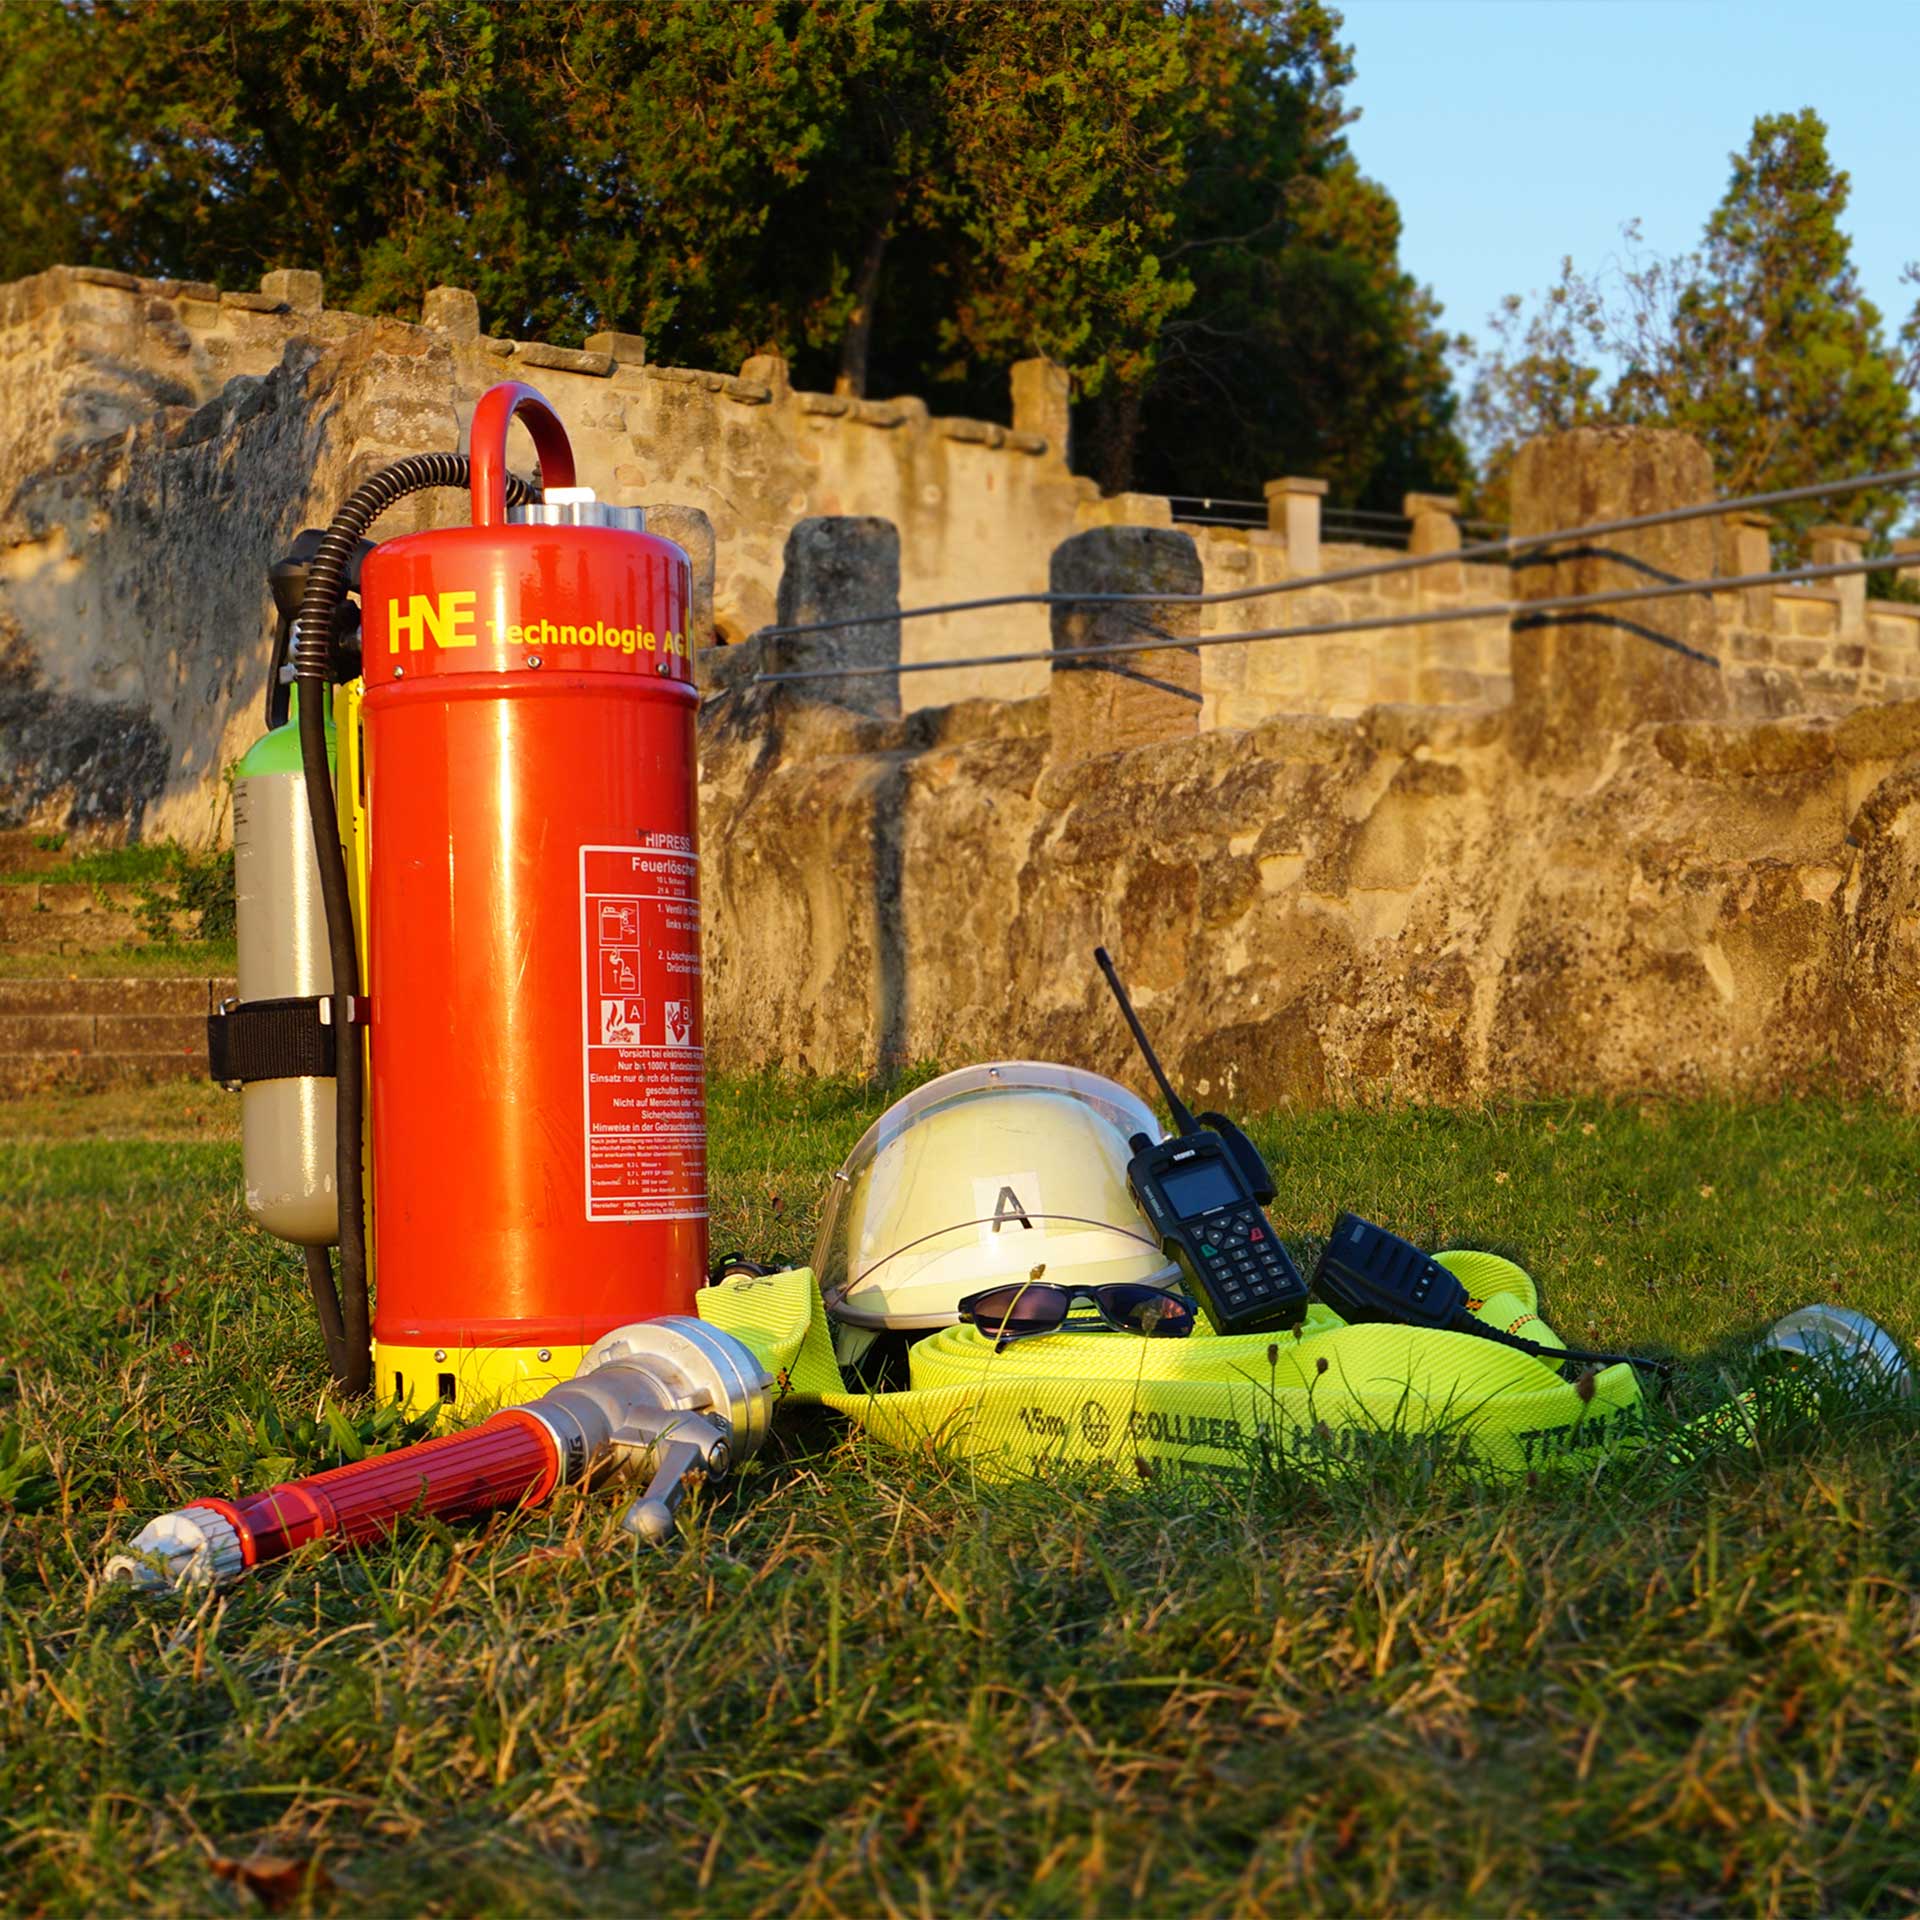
{"x": 1211, "y": 1402}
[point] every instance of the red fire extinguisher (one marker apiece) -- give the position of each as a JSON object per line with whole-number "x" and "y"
{"x": 536, "y": 1087}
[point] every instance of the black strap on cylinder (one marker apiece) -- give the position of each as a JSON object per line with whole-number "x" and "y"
{"x": 269, "y": 1040}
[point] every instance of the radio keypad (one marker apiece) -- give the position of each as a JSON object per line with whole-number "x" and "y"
{"x": 1240, "y": 1255}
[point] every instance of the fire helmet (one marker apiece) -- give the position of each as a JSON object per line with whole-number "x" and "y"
{"x": 982, "y": 1176}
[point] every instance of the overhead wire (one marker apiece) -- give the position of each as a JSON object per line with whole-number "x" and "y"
{"x": 1507, "y": 547}
{"x": 1486, "y": 610}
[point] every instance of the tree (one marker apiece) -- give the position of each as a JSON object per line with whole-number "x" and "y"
{"x": 905, "y": 195}
{"x": 1761, "y": 343}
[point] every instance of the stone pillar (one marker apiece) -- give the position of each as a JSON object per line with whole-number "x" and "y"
{"x": 1293, "y": 512}
{"x": 1098, "y": 706}
{"x": 1745, "y": 541}
{"x": 1581, "y": 677}
{"x": 1043, "y": 403}
{"x": 1906, "y": 559}
{"x": 835, "y": 566}
{"x": 1838, "y": 546}
{"x": 1436, "y": 522}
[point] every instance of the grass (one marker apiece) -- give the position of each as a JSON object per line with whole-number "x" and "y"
{"x": 143, "y": 960}
{"x": 864, "y": 1685}
{"x": 147, "y": 863}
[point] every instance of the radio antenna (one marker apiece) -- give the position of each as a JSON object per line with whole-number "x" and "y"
{"x": 1182, "y": 1119}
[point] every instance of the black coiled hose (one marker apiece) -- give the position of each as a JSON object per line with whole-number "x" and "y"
{"x": 313, "y": 666}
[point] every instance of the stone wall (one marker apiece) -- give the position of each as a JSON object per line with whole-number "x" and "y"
{"x": 163, "y": 441}
{"x": 1404, "y": 905}
{"x": 1671, "y": 847}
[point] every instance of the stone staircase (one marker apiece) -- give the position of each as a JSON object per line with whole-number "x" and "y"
{"x": 76, "y": 1034}
{"x": 83, "y": 1035}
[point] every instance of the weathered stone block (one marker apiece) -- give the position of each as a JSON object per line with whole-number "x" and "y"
{"x": 536, "y": 353}
{"x": 1434, "y": 522}
{"x": 1293, "y": 512}
{"x": 769, "y": 370}
{"x": 255, "y": 303}
{"x": 151, "y": 1033}
{"x": 690, "y": 530}
{"x": 1582, "y": 677}
{"x": 628, "y": 349}
{"x": 1278, "y": 669}
{"x": 452, "y": 311}
{"x": 1450, "y": 686}
{"x": 1100, "y": 706}
{"x": 1344, "y": 672}
{"x": 45, "y": 1032}
{"x": 1809, "y": 611}
{"x": 1042, "y": 404}
{"x": 1126, "y": 510}
{"x": 301, "y": 289}
{"x": 843, "y": 567}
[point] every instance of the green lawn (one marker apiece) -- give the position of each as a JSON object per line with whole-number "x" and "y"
{"x": 865, "y": 1685}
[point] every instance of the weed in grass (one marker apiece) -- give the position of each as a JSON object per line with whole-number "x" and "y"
{"x": 866, "y": 1684}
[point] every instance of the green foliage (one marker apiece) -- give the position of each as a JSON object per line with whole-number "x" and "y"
{"x": 1761, "y": 343}
{"x": 144, "y": 863}
{"x": 904, "y": 193}
{"x": 200, "y": 884}
{"x": 864, "y": 1684}
{"x": 1305, "y": 346}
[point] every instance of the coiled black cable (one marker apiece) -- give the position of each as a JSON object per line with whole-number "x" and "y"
{"x": 313, "y": 667}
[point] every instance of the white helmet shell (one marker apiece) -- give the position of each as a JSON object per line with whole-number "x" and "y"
{"x": 982, "y": 1176}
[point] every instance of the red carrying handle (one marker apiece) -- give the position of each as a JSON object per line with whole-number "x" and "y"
{"x": 487, "y": 447}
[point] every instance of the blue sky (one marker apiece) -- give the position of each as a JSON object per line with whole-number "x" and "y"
{"x": 1513, "y": 132}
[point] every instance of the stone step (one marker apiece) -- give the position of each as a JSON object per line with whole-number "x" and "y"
{"x": 102, "y": 1033}
{"x": 84, "y": 1035}
{"x": 28, "y": 1073}
{"x": 69, "y": 897}
{"x": 30, "y": 931}
{"x": 20, "y": 854}
{"x": 195, "y": 995}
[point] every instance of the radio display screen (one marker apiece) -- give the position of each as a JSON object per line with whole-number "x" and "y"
{"x": 1199, "y": 1187}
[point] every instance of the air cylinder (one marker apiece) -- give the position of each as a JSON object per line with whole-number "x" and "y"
{"x": 537, "y": 1081}
{"x": 286, "y": 1125}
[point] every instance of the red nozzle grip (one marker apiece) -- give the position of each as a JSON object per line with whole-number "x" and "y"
{"x": 487, "y": 447}
{"x": 508, "y": 1461}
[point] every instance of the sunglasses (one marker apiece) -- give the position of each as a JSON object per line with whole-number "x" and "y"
{"x": 1026, "y": 1307}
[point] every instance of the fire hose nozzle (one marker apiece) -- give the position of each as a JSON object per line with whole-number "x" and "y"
{"x": 673, "y": 1397}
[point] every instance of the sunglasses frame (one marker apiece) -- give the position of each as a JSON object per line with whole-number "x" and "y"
{"x": 1004, "y": 1339}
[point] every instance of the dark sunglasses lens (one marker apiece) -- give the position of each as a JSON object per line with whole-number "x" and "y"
{"x": 1019, "y": 1309}
{"x": 1146, "y": 1310}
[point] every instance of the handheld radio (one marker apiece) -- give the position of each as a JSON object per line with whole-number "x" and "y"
{"x": 1369, "y": 1274}
{"x": 1205, "y": 1191}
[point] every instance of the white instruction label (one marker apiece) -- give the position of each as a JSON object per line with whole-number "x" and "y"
{"x": 645, "y": 1081}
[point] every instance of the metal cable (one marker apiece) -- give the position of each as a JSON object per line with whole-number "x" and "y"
{"x": 1488, "y": 610}
{"x": 1406, "y": 563}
